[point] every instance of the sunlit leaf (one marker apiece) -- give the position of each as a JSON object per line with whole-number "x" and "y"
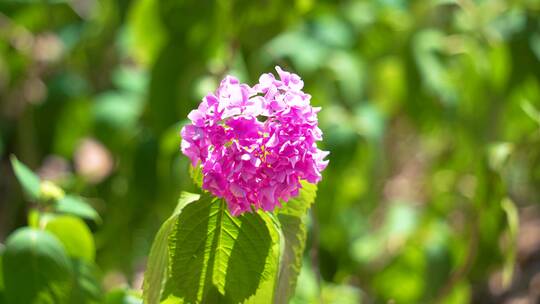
{"x": 498, "y": 154}
{"x": 307, "y": 290}
{"x": 292, "y": 222}
{"x": 74, "y": 235}
{"x": 75, "y": 205}
{"x": 121, "y": 296}
{"x": 512, "y": 218}
{"x": 29, "y": 181}
{"x": 461, "y": 293}
{"x": 226, "y": 258}
{"x": 530, "y": 110}
{"x": 146, "y": 33}
{"x": 196, "y": 175}
{"x": 340, "y": 294}
{"x": 156, "y": 270}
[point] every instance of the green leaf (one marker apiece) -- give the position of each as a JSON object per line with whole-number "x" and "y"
{"x": 33, "y": 218}
{"x": 2, "y": 300}
{"x": 342, "y": 294}
{"x": 30, "y": 182}
{"x": 292, "y": 221}
{"x": 76, "y": 205}
{"x": 74, "y": 235}
{"x": 36, "y": 268}
{"x": 196, "y": 175}
{"x": 146, "y": 32}
{"x": 156, "y": 269}
{"x": 498, "y": 154}
{"x": 298, "y": 206}
{"x": 512, "y": 217}
{"x": 50, "y": 191}
{"x": 87, "y": 288}
{"x": 122, "y": 296}
{"x": 217, "y": 258}
{"x": 1, "y": 272}
{"x": 118, "y": 109}
{"x": 530, "y": 110}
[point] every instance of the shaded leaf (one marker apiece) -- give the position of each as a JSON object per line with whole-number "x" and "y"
{"x": 36, "y": 268}
{"x": 87, "y": 288}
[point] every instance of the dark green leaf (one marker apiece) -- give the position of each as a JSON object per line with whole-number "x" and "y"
{"x": 36, "y": 268}
{"x": 1, "y": 272}
{"x": 87, "y": 288}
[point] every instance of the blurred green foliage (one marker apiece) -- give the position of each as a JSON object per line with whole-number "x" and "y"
{"x": 431, "y": 111}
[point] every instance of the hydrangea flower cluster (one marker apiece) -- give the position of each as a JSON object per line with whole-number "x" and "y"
{"x": 255, "y": 144}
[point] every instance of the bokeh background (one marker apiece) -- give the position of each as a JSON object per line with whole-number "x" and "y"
{"x": 431, "y": 111}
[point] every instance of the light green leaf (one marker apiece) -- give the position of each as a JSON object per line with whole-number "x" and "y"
{"x": 512, "y": 217}
{"x": 498, "y": 154}
{"x": 76, "y": 205}
{"x": 215, "y": 257}
{"x": 292, "y": 221}
{"x": 146, "y": 33}
{"x": 298, "y": 206}
{"x": 196, "y": 175}
{"x": 118, "y": 109}
{"x": 29, "y": 181}
{"x": 50, "y": 191}
{"x": 156, "y": 270}
{"x": 130, "y": 79}
{"x": 33, "y": 218}
{"x": 74, "y": 235}
{"x": 340, "y": 294}
{"x": 121, "y": 296}
{"x": 530, "y": 110}
{"x": 36, "y": 268}
{"x": 305, "y": 52}
{"x": 435, "y": 76}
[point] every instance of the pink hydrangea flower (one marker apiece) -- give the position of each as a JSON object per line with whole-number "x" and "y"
{"x": 255, "y": 144}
